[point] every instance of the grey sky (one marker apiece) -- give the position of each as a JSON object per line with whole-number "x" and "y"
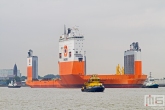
{"x": 109, "y": 27}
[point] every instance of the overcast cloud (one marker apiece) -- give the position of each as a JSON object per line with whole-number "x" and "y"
{"x": 109, "y": 27}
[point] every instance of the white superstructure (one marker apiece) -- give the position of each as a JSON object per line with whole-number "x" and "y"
{"x": 71, "y": 45}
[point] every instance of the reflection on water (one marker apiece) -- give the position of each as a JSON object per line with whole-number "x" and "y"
{"x": 26, "y": 98}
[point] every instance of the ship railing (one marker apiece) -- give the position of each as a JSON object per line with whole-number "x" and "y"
{"x": 70, "y": 38}
{"x": 78, "y": 55}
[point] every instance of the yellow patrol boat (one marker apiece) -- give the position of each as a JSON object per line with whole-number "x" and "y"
{"x": 93, "y": 85}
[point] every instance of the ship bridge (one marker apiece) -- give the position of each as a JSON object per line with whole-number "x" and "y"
{"x": 72, "y": 33}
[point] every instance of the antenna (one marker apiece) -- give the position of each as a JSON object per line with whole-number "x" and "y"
{"x": 64, "y": 30}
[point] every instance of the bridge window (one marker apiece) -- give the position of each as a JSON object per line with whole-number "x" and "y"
{"x": 69, "y": 54}
{"x": 80, "y": 59}
{"x": 60, "y": 56}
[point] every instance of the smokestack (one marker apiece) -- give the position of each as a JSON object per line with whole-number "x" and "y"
{"x": 69, "y": 31}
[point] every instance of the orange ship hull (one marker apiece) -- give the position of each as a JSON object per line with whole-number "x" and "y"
{"x": 77, "y": 81}
{"x": 72, "y": 66}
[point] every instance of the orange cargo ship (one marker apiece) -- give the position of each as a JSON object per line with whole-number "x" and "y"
{"x": 72, "y": 66}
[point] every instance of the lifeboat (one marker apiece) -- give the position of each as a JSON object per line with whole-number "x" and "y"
{"x": 93, "y": 85}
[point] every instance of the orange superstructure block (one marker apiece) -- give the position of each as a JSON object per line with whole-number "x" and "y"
{"x": 138, "y": 67}
{"x": 29, "y": 73}
{"x": 72, "y": 67}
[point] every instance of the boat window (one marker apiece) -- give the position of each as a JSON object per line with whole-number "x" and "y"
{"x": 60, "y": 56}
{"x": 80, "y": 59}
{"x": 69, "y": 54}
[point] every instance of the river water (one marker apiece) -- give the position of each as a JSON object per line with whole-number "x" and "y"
{"x": 26, "y": 98}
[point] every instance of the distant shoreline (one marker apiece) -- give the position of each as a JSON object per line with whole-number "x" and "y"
{"x": 7, "y": 86}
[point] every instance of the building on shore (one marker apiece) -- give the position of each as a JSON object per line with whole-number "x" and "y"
{"x": 9, "y": 73}
{"x": 161, "y": 82}
{"x": 15, "y": 70}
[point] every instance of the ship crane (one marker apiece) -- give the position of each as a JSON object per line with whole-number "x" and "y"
{"x": 119, "y": 71}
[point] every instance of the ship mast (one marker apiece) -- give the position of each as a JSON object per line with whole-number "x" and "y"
{"x": 64, "y": 30}
{"x": 150, "y": 74}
